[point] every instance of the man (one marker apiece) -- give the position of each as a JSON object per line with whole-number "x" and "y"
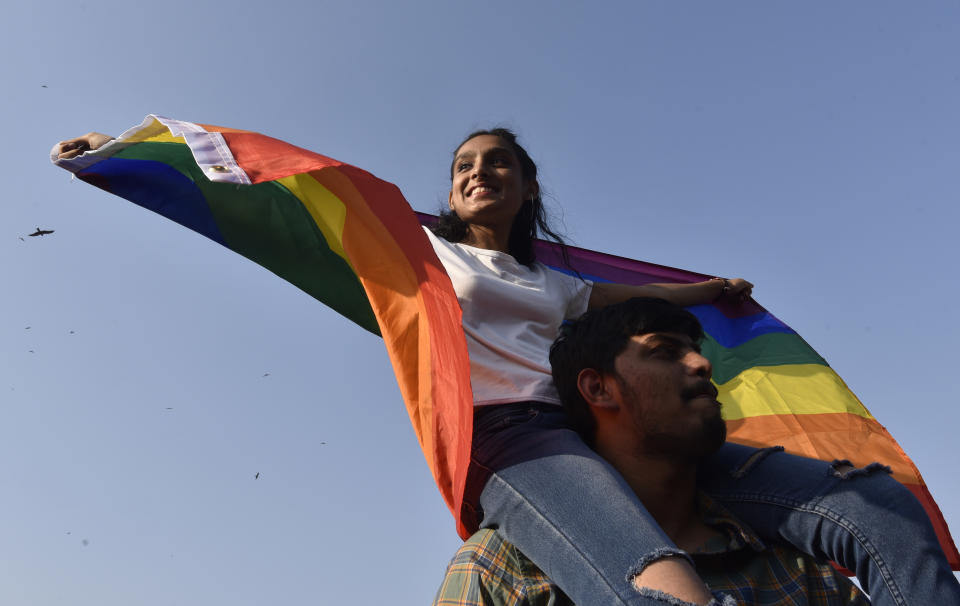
{"x": 636, "y": 388}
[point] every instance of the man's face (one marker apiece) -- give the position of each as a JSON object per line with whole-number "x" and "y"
{"x": 664, "y": 383}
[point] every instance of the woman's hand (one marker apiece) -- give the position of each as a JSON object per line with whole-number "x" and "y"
{"x": 735, "y": 289}
{"x": 88, "y": 142}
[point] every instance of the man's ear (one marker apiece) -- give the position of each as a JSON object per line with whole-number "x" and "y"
{"x": 594, "y": 388}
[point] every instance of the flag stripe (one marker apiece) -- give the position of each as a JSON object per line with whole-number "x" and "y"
{"x": 939, "y": 524}
{"x": 443, "y": 413}
{"x": 826, "y": 436}
{"x": 611, "y": 268}
{"x": 327, "y": 210}
{"x": 733, "y": 332}
{"x": 771, "y": 349}
{"x": 272, "y": 227}
{"x": 267, "y": 224}
{"x": 795, "y": 389}
{"x": 152, "y": 185}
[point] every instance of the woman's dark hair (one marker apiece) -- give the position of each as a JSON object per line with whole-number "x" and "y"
{"x": 530, "y": 222}
{"x": 598, "y": 337}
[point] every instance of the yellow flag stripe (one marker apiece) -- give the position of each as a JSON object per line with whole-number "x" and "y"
{"x": 327, "y": 210}
{"x": 789, "y": 389}
{"x": 155, "y": 131}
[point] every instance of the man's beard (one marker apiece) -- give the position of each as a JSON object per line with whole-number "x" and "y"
{"x": 691, "y": 446}
{"x": 664, "y": 441}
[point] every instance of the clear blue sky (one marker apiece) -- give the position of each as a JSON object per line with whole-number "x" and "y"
{"x": 147, "y": 374}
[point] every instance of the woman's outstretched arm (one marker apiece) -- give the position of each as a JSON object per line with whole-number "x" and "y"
{"x": 736, "y": 289}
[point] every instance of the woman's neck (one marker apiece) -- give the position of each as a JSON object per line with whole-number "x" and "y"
{"x": 488, "y": 238}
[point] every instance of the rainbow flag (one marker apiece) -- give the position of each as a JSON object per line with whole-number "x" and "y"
{"x": 352, "y": 241}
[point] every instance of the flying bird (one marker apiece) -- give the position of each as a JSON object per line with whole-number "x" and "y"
{"x": 257, "y": 476}
{"x": 42, "y": 232}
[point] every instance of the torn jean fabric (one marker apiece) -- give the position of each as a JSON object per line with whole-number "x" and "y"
{"x": 534, "y": 480}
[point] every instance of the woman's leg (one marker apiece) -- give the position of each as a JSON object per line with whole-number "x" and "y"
{"x": 568, "y": 510}
{"x": 862, "y": 519}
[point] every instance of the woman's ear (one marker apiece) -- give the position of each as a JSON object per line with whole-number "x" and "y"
{"x": 450, "y": 199}
{"x": 595, "y": 389}
{"x": 533, "y": 191}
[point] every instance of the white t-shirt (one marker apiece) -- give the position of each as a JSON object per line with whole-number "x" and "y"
{"x": 511, "y": 315}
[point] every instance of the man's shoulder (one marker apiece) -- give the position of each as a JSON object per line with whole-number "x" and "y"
{"x": 489, "y": 571}
{"x": 488, "y": 549}
{"x": 741, "y": 565}
{"x": 778, "y": 574}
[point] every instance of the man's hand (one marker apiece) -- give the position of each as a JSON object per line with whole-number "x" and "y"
{"x": 88, "y": 142}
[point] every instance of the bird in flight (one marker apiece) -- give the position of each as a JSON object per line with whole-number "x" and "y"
{"x": 42, "y": 232}
{"x": 257, "y": 477}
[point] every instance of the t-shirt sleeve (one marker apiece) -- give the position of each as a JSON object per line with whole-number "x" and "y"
{"x": 580, "y": 290}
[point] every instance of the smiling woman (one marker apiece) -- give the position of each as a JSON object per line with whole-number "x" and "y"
{"x": 489, "y": 198}
{"x": 528, "y": 220}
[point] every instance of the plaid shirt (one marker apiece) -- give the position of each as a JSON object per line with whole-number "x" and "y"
{"x": 488, "y": 571}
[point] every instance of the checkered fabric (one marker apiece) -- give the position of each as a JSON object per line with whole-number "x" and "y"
{"x": 488, "y": 571}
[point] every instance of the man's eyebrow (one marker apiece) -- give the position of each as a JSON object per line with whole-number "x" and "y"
{"x": 673, "y": 339}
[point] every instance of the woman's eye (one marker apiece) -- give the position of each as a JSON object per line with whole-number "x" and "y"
{"x": 463, "y": 166}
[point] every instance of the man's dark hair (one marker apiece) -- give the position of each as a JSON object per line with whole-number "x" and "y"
{"x": 598, "y": 337}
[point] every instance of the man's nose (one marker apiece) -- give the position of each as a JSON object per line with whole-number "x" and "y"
{"x": 698, "y": 365}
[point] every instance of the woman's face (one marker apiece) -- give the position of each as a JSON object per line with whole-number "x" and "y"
{"x": 488, "y": 185}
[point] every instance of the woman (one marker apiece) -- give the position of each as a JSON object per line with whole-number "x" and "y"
{"x": 602, "y": 546}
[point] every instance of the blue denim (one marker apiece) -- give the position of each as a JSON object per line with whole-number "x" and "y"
{"x": 862, "y": 519}
{"x": 534, "y": 480}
